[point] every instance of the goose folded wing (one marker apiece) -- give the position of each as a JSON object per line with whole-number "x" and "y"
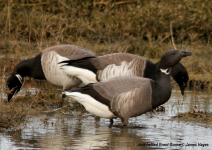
{"x": 102, "y": 62}
{"x": 114, "y": 87}
{"x": 135, "y": 67}
{"x": 72, "y": 52}
{"x": 132, "y": 103}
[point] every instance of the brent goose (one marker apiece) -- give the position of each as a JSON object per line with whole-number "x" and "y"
{"x": 45, "y": 66}
{"x": 101, "y": 68}
{"x": 129, "y": 96}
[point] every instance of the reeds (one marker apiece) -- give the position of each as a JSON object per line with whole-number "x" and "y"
{"x": 65, "y": 21}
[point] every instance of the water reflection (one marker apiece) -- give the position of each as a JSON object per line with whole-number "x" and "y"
{"x": 74, "y": 133}
{"x": 201, "y": 99}
{"x": 85, "y": 132}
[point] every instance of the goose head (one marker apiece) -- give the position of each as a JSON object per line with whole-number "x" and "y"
{"x": 14, "y": 84}
{"x": 171, "y": 57}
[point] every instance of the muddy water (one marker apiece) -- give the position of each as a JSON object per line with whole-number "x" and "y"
{"x": 87, "y": 132}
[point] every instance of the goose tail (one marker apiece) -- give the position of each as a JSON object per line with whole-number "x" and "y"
{"x": 75, "y": 95}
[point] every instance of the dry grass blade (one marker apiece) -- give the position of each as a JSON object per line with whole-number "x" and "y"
{"x": 56, "y": 109}
{"x": 171, "y": 32}
{"x": 112, "y": 3}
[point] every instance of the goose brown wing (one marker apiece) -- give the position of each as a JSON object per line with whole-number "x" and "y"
{"x": 132, "y": 103}
{"x": 71, "y": 52}
{"x": 102, "y": 62}
{"x": 122, "y": 94}
{"x": 128, "y": 96}
{"x": 135, "y": 67}
{"x": 112, "y": 88}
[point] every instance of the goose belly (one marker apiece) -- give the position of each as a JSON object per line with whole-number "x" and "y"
{"x": 91, "y": 104}
{"x": 54, "y": 74}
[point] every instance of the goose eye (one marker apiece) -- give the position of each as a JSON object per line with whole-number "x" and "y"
{"x": 173, "y": 53}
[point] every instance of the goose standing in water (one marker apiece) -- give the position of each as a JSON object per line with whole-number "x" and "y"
{"x": 102, "y": 68}
{"x": 45, "y": 66}
{"x": 129, "y": 96}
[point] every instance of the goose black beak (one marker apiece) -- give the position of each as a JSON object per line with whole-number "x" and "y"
{"x": 186, "y": 53}
{"x": 13, "y": 92}
{"x": 10, "y": 95}
{"x": 13, "y": 85}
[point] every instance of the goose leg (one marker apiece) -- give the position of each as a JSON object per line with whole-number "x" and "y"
{"x": 111, "y": 121}
{"x": 63, "y": 96}
{"x": 124, "y": 121}
{"x": 62, "y": 100}
{"x": 97, "y": 119}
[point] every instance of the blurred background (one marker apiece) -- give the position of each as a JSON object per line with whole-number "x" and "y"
{"x": 142, "y": 27}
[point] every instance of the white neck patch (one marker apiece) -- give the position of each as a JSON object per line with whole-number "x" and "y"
{"x": 166, "y": 71}
{"x": 19, "y": 78}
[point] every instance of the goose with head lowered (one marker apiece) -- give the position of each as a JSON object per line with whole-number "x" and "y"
{"x": 45, "y": 66}
{"x": 102, "y": 68}
{"x": 180, "y": 75}
{"x": 129, "y": 96}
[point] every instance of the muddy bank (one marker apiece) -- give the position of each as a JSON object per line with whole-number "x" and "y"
{"x": 41, "y": 102}
{"x": 195, "y": 116}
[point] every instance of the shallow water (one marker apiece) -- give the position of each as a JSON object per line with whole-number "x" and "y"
{"x": 87, "y": 132}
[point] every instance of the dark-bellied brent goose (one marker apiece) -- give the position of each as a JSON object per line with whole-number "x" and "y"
{"x": 45, "y": 66}
{"x": 129, "y": 96}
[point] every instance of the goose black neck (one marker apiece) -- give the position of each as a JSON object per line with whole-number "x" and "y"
{"x": 161, "y": 89}
{"x": 150, "y": 70}
{"x": 31, "y": 68}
